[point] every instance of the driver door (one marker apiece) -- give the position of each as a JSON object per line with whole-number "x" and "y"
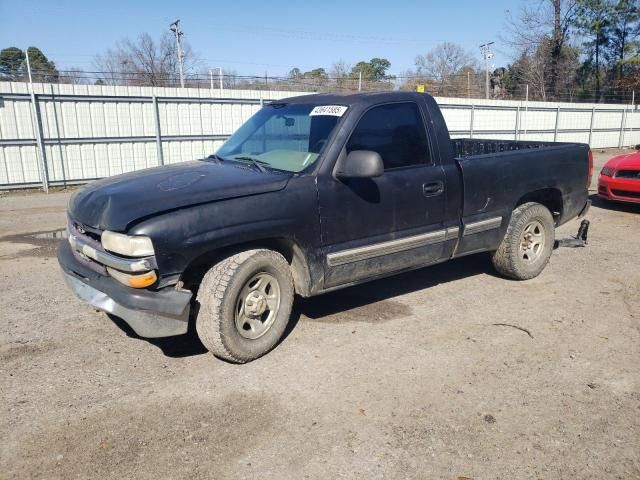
{"x": 373, "y": 226}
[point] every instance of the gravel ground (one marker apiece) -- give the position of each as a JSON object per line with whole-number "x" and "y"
{"x": 404, "y": 378}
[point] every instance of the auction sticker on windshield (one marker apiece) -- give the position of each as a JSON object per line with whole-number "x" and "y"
{"x": 333, "y": 110}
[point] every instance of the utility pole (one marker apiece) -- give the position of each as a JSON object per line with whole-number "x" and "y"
{"x": 221, "y": 82}
{"x": 175, "y": 28}
{"x": 485, "y": 48}
{"x": 26, "y": 52}
{"x": 360, "y": 80}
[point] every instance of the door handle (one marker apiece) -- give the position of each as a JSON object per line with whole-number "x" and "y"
{"x": 432, "y": 189}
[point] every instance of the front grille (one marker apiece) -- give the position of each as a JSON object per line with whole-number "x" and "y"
{"x": 632, "y": 174}
{"x": 625, "y": 193}
{"x": 90, "y": 236}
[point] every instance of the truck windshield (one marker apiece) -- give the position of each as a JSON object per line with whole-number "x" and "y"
{"x": 287, "y": 137}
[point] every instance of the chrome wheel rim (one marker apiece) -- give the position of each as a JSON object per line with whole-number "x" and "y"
{"x": 532, "y": 242}
{"x": 257, "y": 305}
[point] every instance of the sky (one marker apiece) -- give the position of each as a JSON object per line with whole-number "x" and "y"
{"x": 254, "y": 37}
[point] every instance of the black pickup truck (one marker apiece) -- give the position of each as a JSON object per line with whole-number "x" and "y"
{"x": 312, "y": 194}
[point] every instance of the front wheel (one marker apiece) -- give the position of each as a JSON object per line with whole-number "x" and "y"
{"x": 245, "y": 303}
{"x": 526, "y": 247}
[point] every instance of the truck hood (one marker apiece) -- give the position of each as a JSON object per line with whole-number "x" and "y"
{"x": 116, "y": 202}
{"x": 629, "y": 161}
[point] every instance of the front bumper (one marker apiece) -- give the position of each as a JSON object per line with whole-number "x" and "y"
{"x": 619, "y": 189}
{"x": 150, "y": 314}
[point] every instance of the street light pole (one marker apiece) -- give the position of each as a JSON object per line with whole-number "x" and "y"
{"x": 488, "y": 55}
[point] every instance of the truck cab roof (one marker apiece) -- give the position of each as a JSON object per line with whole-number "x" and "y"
{"x": 351, "y": 99}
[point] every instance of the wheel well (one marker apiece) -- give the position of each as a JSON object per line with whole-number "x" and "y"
{"x": 549, "y": 197}
{"x": 285, "y": 247}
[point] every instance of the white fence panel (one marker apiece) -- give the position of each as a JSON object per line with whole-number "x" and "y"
{"x": 95, "y": 131}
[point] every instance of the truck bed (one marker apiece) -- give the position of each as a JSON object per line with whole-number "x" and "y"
{"x": 498, "y": 174}
{"x": 467, "y": 147}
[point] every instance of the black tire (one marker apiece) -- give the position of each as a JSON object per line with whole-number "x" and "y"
{"x": 218, "y": 297}
{"x": 522, "y": 264}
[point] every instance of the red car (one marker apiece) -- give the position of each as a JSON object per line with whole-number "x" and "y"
{"x": 620, "y": 178}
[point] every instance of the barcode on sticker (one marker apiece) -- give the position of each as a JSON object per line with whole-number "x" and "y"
{"x": 334, "y": 110}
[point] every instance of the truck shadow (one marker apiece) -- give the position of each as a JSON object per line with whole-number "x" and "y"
{"x": 385, "y": 290}
{"x": 325, "y": 308}
{"x": 186, "y": 345}
{"x": 599, "y": 202}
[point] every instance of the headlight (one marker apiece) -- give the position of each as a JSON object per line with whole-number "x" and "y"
{"x": 137, "y": 246}
{"x": 607, "y": 171}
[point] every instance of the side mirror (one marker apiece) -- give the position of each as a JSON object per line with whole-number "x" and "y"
{"x": 360, "y": 164}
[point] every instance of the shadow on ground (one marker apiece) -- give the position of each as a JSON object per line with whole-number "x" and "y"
{"x": 176, "y": 347}
{"x": 599, "y": 202}
{"x": 385, "y": 289}
{"x": 321, "y": 307}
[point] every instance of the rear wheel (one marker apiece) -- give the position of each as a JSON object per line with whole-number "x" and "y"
{"x": 526, "y": 247}
{"x": 245, "y": 303}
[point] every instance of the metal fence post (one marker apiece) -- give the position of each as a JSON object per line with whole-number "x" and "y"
{"x": 593, "y": 114}
{"x": 473, "y": 109}
{"x": 555, "y": 132}
{"x": 517, "y": 129}
{"x": 156, "y": 117}
{"x": 622, "y": 125}
{"x": 37, "y": 125}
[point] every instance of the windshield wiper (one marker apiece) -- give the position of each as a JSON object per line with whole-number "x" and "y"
{"x": 213, "y": 156}
{"x": 258, "y": 163}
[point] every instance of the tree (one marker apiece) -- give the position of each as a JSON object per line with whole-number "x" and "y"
{"x": 625, "y": 28}
{"x": 543, "y": 27}
{"x": 375, "y": 69}
{"x": 340, "y": 71}
{"x": 295, "y": 73}
{"x": 593, "y": 20}
{"x": 533, "y": 68}
{"x": 448, "y": 67}
{"x": 145, "y": 61}
{"x": 230, "y": 79}
{"x": 42, "y": 69}
{"x": 316, "y": 74}
{"x": 11, "y": 63}
{"x": 530, "y": 69}
{"x": 73, "y": 75}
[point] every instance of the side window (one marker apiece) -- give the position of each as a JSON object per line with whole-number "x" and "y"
{"x": 396, "y": 131}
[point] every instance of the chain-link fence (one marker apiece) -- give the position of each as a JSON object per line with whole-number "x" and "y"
{"x": 465, "y": 85}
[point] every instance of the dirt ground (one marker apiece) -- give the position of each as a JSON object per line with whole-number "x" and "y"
{"x": 405, "y": 378}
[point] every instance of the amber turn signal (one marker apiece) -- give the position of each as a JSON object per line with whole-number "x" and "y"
{"x": 136, "y": 281}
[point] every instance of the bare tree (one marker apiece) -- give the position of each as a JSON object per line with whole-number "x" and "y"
{"x": 446, "y": 67}
{"x": 531, "y": 69}
{"x": 145, "y": 61}
{"x": 340, "y": 70}
{"x": 74, "y": 76}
